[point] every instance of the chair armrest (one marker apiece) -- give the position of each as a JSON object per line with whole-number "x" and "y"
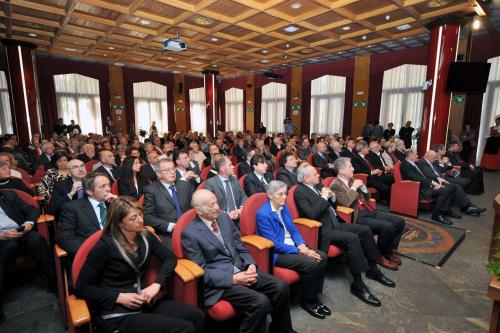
{"x": 183, "y": 273}
{"x": 307, "y": 223}
{"x": 258, "y": 242}
{"x": 60, "y": 253}
{"x": 344, "y": 210}
{"x": 78, "y": 311}
{"x": 45, "y": 218}
{"x": 150, "y": 229}
{"x": 196, "y": 270}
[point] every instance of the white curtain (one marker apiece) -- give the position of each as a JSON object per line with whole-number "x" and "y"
{"x": 402, "y": 96}
{"x": 490, "y": 108}
{"x": 273, "y": 107}
{"x": 234, "y": 109}
{"x": 198, "y": 109}
{"x": 5, "y": 115}
{"x": 327, "y": 104}
{"x": 78, "y": 99}
{"x": 150, "y": 103}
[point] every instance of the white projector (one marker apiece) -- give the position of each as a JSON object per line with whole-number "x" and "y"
{"x": 174, "y": 45}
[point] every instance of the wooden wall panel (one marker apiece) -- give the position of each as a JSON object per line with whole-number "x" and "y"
{"x": 249, "y": 92}
{"x": 296, "y": 97}
{"x": 180, "y": 103}
{"x": 117, "y": 96}
{"x": 360, "y": 94}
{"x": 455, "y": 122}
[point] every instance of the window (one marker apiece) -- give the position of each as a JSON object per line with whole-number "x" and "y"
{"x": 234, "y": 109}
{"x": 491, "y": 106}
{"x": 198, "y": 110}
{"x": 273, "y": 107}
{"x": 327, "y": 104}
{"x": 78, "y": 99}
{"x": 5, "y": 114}
{"x": 150, "y": 104}
{"x": 402, "y": 96}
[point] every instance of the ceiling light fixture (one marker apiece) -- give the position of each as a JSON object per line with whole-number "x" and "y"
{"x": 70, "y": 49}
{"x": 121, "y": 64}
{"x": 32, "y": 34}
{"x": 264, "y": 61}
{"x": 476, "y": 24}
{"x": 387, "y": 17}
{"x": 111, "y": 47}
{"x": 346, "y": 28}
{"x": 296, "y": 5}
{"x": 201, "y": 20}
{"x": 214, "y": 39}
{"x": 265, "y": 51}
{"x": 291, "y": 29}
{"x": 145, "y": 21}
{"x": 287, "y": 45}
{"x": 105, "y": 54}
{"x": 364, "y": 37}
{"x": 403, "y": 27}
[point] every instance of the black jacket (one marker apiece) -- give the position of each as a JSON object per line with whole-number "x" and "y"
{"x": 286, "y": 176}
{"x": 375, "y": 160}
{"x": 15, "y": 184}
{"x": 244, "y": 168}
{"x": 240, "y": 153}
{"x": 427, "y": 169}
{"x": 128, "y": 189}
{"x": 360, "y": 165}
{"x": 16, "y": 208}
{"x": 253, "y": 185}
{"x": 60, "y": 195}
{"x": 399, "y": 154}
{"x": 409, "y": 172}
{"x": 148, "y": 173}
{"x": 322, "y": 163}
{"x": 114, "y": 170}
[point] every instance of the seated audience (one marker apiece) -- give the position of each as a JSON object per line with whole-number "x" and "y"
{"x": 187, "y": 170}
{"x": 212, "y": 151}
{"x": 399, "y": 152}
{"x": 212, "y": 241}
{"x": 58, "y": 170}
{"x": 376, "y": 159}
{"x": 68, "y": 189}
{"x": 131, "y": 183}
{"x": 275, "y": 223}
{"x": 323, "y": 161}
{"x": 353, "y": 193}
{"x": 88, "y": 153}
{"x": 109, "y": 278}
{"x": 108, "y": 166}
{"x": 239, "y": 150}
{"x": 288, "y": 171}
{"x": 336, "y": 150}
{"x": 444, "y": 166}
{"x": 244, "y": 167}
{"x": 82, "y": 217}
{"x": 46, "y": 156}
{"x": 197, "y": 154}
{"x": 258, "y": 180}
{"x": 11, "y": 183}
{"x": 467, "y": 170}
{"x": 9, "y": 158}
{"x": 305, "y": 149}
{"x": 165, "y": 200}
{"x": 148, "y": 170}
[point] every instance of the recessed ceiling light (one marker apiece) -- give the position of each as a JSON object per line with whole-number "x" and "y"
{"x": 265, "y": 51}
{"x": 340, "y": 52}
{"x": 32, "y": 35}
{"x": 369, "y": 46}
{"x": 201, "y": 20}
{"x": 284, "y": 56}
{"x": 175, "y": 72}
{"x": 105, "y": 54}
{"x": 404, "y": 38}
{"x": 287, "y": 45}
{"x": 296, "y": 5}
{"x": 214, "y": 65}
{"x": 121, "y": 64}
{"x": 403, "y": 27}
{"x": 111, "y": 47}
{"x": 387, "y": 17}
{"x": 476, "y": 24}
{"x": 214, "y": 39}
{"x": 346, "y": 28}
{"x": 264, "y": 61}
{"x": 70, "y": 49}
{"x": 291, "y": 28}
{"x": 145, "y": 21}
{"x": 364, "y": 37}
{"x": 307, "y": 51}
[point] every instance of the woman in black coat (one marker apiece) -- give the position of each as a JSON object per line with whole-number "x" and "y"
{"x": 113, "y": 278}
{"x": 131, "y": 183}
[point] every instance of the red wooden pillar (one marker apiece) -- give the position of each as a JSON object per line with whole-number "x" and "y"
{"x": 443, "y": 45}
{"x": 22, "y": 76}
{"x": 210, "y": 83}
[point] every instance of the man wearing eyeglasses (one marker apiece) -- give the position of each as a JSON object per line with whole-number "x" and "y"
{"x": 70, "y": 188}
{"x": 165, "y": 200}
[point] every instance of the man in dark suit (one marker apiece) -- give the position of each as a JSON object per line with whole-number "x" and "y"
{"x": 258, "y": 180}
{"x": 223, "y": 149}
{"x": 399, "y": 152}
{"x": 46, "y": 156}
{"x": 323, "y": 161}
{"x": 187, "y": 170}
{"x": 68, "y": 189}
{"x": 212, "y": 151}
{"x": 463, "y": 202}
{"x": 377, "y": 178}
{"x": 244, "y": 167}
{"x": 349, "y": 150}
{"x": 212, "y": 241}
{"x": 444, "y": 166}
{"x": 375, "y": 158}
{"x": 305, "y": 149}
{"x": 336, "y": 150}
{"x": 83, "y": 217}
{"x": 277, "y": 145}
{"x": 225, "y": 186}
{"x": 389, "y": 131}
{"x": 429, "y": 188}
{"x": 288, "y": 171}
{"x": 316, "y": 202}
{"x": 148, "y": 170}
{"x": 474, "y": 173}
{"x": 15, "y": 213}
{"x": 88, "y": 153}
{"x": 353, "y": 193}
{"x": 108, "y": 166}
{"x": 239, "y": 150}
{"x": 165, "y": 200}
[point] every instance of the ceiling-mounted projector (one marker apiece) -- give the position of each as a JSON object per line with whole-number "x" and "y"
{"x": 174, "y": 45}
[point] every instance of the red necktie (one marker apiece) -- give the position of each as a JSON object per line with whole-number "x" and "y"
{"x": 215, "y": 227}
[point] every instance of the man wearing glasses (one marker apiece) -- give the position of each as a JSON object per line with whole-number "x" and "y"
{"x": 70, "y": 188}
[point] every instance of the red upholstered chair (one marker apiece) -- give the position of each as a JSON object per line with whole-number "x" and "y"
{"x": 364, "y": 178}
{"x": 204, "y": 173}
{"x": 231, "y": 150}
{"x": 234, "y": 159}
{"x": 278, "y": 158}
{"x": 201, "y": 186}
{"x": 327, "y": 181}
{"x": 141, "y": 200}
{"x": 25, "y": 177}
{"x": 242, "y": 182}
{"x": 39, "y": 173}
{"x": 405, "y": 194}
{"x": 310, "y": 161}
{"x": 114, "y": 188}
{"x": 236, "y": 170}
{"x": 181, "y": 286}
{"x": 90, "y": 165}
{"x": 248, "y": 228}
{"x": 220, "y": 311}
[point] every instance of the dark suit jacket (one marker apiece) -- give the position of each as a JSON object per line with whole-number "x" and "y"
{"x": 409, "y": 172}
{"x": 148, "y": 173}
{"x": 84, "y": 158}
{"x": 16, "y": 184}
{"x": 240, "y": 153}
{"x": 202, "y": 246}
{"x": 275, "y": 149}
{"x": 286, "y": 176}
{"x": 244, "y": 168}
{"x": 195, "y": 169}
{"x": 215, "y": 185}
{"x": 346, "y": 153}
{"x": 426, "y": 169}
{"x": 312, "y": 206}
{"x": 43, "y": 160}
{"x": 375, "y": 160}
{"x": 114, "y": 170}
{"x": 322, "y": 163}
{"x": 360, "y": 165}
{"x": 159, "y": 206}
{"x": 253, "y": 185}
{"x": 399, "y": 154}
{"x": 60, "y": 195}
{"x": 78, "y": 221}
{"x": 125, "y": 189}
{"x": 17, "y": 209}
{"x": 456, "y": 159}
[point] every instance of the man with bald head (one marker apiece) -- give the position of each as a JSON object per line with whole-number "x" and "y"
{"x": 462, "y": 201}
{"x": 70, "y": 188}
{"x": 213, "y": 242}
{"x": 323, "y": 161}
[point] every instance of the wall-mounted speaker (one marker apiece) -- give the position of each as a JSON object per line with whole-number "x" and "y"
{"x": 180, "y": 89}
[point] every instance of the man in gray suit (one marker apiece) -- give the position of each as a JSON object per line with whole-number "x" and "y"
{"x": 225, "y": 186}
{"x": 165, "y": 200}
{"x": 212, "y": 241}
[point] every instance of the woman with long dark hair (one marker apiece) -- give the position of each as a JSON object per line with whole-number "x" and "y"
{"x": 131, "y": 183}
{"x": 113, "y": 278}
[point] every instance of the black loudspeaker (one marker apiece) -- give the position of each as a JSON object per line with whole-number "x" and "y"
{"x": 180, "y": 88}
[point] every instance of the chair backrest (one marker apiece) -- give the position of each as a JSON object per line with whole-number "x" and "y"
{"x": 39, "y": 173}
{"x": 24, "y": 196}
{"x": 234, "y": 159}
{"x": 204, "y": 172}
{"x": 290, "y": 202}
{"x": 181, "y": 224}
{"x": 278, "y": 158}
{"x": 242, "y": 181}
{"x": 201, "y": 186}
{"x": 83, "y": 252}
{"x": 231, "y": 150}
{"x": 397, "y": 172}
{"x": 248, "y": 217}
{"x": 141, "y": 200}
{"x": 361, "y": 176}
{"x": 89, "y": 165}
{"x": 236, "y": 170}
{"x": 114, "y": 188}
{"x": 27, "y": 179}
{"x": 327, "y": 181}
{"x": 310, "y": 159}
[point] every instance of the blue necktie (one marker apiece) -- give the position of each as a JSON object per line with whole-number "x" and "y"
{"x": 176, "y": 201}
{"x": 79, "y": 194}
